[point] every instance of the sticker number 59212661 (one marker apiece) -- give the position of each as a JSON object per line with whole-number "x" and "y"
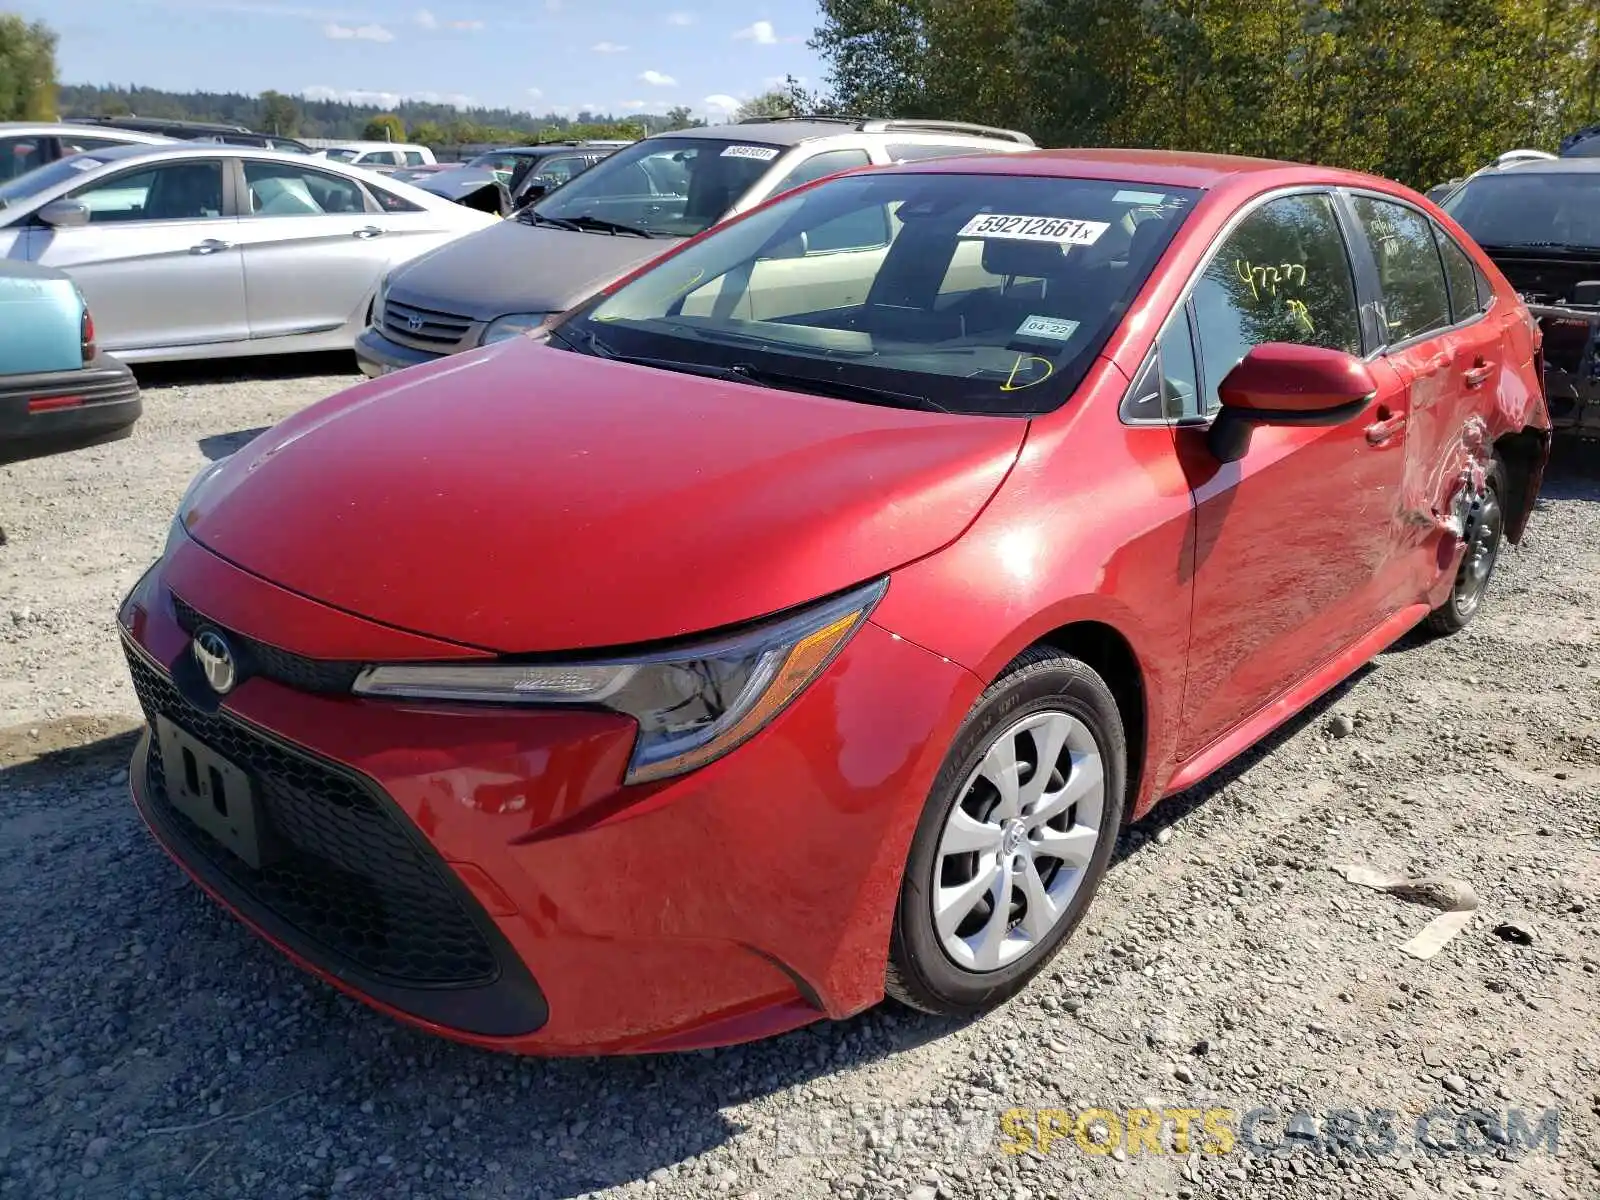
{"x": 1069, "y": 231}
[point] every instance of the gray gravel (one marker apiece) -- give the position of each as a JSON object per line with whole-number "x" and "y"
{"x": 149, "y": 1047}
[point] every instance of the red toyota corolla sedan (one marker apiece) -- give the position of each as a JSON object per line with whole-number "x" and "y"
{"x": 800, "y": 619}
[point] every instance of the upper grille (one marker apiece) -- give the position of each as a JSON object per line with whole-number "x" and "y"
{"x": 424, "y": 328}
{"x": 257, "y": 658}
{"x": 345, "y": 874}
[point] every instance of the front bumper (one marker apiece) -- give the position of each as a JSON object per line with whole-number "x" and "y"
{"x": 1571, "y": 368}
{"x": 53, "y": 406}
{"x": 376, "y": 355}
{"x": 739, "y": 901}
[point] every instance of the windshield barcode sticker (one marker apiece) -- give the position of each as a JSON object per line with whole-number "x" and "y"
{"x": 1068, "y": 231}
{"x": 1057, "y": 329}
{"x": 759, "y": 153}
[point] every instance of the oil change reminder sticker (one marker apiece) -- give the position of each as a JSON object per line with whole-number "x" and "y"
{"x": 1056, "y": 329}
{"x": 759, "y": 153}
{"x": 1067, "y": 231}
{"x": 1126, "y": 197}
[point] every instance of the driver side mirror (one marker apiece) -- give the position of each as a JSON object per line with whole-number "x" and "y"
{"x": 1281, "y": 383}
{"x": 64, "y": 214}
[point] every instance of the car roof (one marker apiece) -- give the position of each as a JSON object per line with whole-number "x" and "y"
{"x": 791, "y": 131}
{"x": 1552, "y": 166}
{"x": 55, "y": 128}
{"x": 1169, "y": 167}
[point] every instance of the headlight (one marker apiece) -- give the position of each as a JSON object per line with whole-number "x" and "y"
{"x": 512, "y": 326}
{"x": 693, "y": 704}
{"x": 378, "y": 301}
{"x": 190, "y": 495}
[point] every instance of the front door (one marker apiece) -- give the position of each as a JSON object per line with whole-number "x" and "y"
{"x": 1294, "y": 547}
{"x": 159, "y": 260}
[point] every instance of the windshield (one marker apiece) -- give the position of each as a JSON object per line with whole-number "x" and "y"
{"x": 344, "y": 155}
{"x": 37, "y": 182}
{"x": 672, "y": 187}
{"x": 1545, "y": 208}
{"x": 970, "y": 293}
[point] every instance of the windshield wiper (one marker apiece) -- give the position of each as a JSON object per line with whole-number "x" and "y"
{"x": 779, "y": 380}
{"x": 601, "y": 225}
{"x": 529, "y": 217}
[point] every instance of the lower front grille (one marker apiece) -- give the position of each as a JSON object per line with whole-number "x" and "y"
{"x": 348, "y": 886}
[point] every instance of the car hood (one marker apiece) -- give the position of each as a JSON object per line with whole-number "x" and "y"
{"x": 515, "y": 268}
{"x": 454, "y": 183}
{"x": 522, "y": 498}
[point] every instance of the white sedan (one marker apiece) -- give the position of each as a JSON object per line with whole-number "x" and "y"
{"x": 188, "y": 250}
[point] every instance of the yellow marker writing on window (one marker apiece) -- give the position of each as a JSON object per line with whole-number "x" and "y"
{"x": 1021, "y": 365}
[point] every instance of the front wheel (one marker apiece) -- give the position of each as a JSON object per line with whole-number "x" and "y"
{"x": 1014, "y": 839}
{"x": 1484, "y": 532}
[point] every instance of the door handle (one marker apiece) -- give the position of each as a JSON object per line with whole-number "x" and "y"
{"x": 1478, "y": 374}
{"x": 1386, "y": 426}
{"x": 210, "y": 246}
{"x": 368, "y": 231}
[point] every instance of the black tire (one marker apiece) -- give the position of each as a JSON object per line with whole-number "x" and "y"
{"x": 1485, "y": 534}
{"x": 921, "y": 974}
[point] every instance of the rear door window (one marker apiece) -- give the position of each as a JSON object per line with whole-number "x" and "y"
{"x": 19, "y": 155}
{"x": 1416, "y": 298}
{"x": 1461, "y": 277}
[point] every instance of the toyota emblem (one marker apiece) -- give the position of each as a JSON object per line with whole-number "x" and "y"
{"x": 215, "y": 656}
{"x": 415, "y": 324}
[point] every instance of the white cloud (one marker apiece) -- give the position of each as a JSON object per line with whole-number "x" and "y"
{"x": 364, "y": 33}
{"x": 680, "y": 18}
{"x": 469, "y": 26}
{"x": 535, "y": 92}
{"x": 722, "y": 103}
{"x": 589, "y": 106}
{"x": 657, "y": 79}
{"x": 761, "y": 33}
{"x": 607, "y": 48}
{"x": 634, "y": 105}
{"x": 426, "y": 19}
{"x": 385, "y": 99}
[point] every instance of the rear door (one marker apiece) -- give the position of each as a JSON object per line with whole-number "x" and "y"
{"x": 313, "y": 253}
{"x": 1443, "y": 350}
{"x": 159, "y": 261}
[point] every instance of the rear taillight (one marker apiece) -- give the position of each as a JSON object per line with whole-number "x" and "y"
{"x": 88, "y": 337}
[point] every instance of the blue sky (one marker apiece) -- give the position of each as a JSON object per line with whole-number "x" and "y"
{"x": 539, "y": 55}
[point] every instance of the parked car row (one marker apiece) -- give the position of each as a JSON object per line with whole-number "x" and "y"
{"x": 799, "y": 617}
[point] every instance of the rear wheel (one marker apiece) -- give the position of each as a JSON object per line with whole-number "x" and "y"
{"x": 1014, "y": 839}
{"x": 1484, "y": 533}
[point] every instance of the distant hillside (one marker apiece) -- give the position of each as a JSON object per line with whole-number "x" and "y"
{"x": 295, "y": 116}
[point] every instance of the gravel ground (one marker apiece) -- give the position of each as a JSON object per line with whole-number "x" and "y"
{"x": 150, "y": 1048}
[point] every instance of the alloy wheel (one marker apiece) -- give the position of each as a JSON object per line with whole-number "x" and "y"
{"x": 1018, "y": 841}
{"x": 1483, "y": 551}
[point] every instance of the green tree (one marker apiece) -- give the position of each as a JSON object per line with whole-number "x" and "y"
{"x": 27, "y": 70}
{"x": 279, "y": 114}
{"x": 428, "y": 133}
{"x": 679, "y": 117}
{"x": 776, "y": 103}
{"x": 1418, "y": 90}
{"x": 385, "y": 127}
